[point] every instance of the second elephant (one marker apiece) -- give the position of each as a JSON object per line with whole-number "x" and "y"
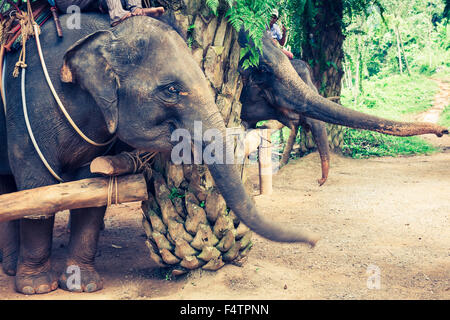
{"x": 257, "y": 107}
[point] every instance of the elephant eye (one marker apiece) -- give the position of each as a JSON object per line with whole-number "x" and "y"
{"x": 173, "y": 90}
{"x": 264, "y": 69}
{"x": 170, "y": 93}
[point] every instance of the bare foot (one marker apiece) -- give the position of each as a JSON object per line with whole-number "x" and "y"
{"x": 151, "y": 12}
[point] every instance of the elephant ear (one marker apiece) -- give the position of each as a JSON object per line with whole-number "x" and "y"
{"x": 88, "y": 64}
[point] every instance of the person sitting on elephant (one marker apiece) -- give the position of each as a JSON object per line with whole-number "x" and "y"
{"x": 118, "y": 10}
{"x": 279, "y": 35}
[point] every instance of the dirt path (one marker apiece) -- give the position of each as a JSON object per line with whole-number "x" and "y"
{"x": 391, "y": 213}
{"x": 388, "y": 215}
{"x": 441, "y": 100}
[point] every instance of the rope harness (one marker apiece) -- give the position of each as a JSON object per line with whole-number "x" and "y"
{"x": 140, "y": 160}
{"x": 26, "y": 22}
{"x": 141, "y": 163}
{"x": 28, "y": 28}
{"x": 112, "y": 185}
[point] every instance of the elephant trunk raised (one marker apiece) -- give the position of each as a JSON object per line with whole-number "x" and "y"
{"x": 313, "y": 105}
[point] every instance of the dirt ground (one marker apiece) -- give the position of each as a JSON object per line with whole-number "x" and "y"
{"x": 385, "y": 234}
{"x": 390, "y": 215}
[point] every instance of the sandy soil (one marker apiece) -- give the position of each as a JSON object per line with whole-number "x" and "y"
{"x": 387, "y": 215}
{"x": 391, "y": 213}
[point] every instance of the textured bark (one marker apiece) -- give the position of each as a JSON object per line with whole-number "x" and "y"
{"x": 323, "y": 50}
{"x": 191, "y": 209}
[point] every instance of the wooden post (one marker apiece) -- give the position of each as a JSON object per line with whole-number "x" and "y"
{"x": 113, "y": 165}
{"x": 265, "y": 163}
{"x": 94, "y": 192}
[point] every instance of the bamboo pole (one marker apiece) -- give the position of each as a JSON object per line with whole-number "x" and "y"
{"x": 94, "y": 192}
{"x": 265, "y": 163}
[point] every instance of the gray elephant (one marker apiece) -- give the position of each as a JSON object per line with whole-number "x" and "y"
{"x": 256, "y": 107}
{"x": 138, "y": 82}
{"x": 283, "y": 87}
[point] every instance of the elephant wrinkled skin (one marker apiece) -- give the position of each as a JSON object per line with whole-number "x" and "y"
{"x": 137, "y": 81}
{"x": 256, "y": 107}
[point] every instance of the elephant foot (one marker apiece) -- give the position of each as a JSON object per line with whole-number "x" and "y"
{"x": 9, "y": 247}
{"x": 80, "y": 279}
{"x": 9, "y": 263}
{"x": 36, "y": 284}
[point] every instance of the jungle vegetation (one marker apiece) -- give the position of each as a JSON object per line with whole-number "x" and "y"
{"x": 379, "y": 56}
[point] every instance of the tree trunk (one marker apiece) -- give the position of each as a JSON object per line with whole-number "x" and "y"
{"x": 184, "y": 203}
{"x": 399, "y": 51}
{"x": 324, "y": 51}
{"x": 399, "y": 35}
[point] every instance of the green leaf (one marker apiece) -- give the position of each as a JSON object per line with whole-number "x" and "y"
{"x": 213, "y": 5}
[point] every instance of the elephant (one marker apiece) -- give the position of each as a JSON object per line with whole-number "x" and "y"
{"x": 281, "y": 86}
{"x": 256, "y": 107}
{"x": 137, "y": 82}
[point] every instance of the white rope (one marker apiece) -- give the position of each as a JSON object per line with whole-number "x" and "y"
{"x": 30, "y": 131}
{"x": 3, "y": 84}
{"x": 55, "y": 95}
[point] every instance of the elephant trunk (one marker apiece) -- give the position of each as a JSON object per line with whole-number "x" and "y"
{"x": 319, "y": 133}
{"x": 228, "y": 182}
{"x": 230, "y": 186}
{"x": 315, "y": 106}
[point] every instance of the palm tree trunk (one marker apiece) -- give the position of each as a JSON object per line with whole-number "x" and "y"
{"x": 192, "y": 193}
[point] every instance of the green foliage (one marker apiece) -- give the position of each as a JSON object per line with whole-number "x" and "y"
{"x": 445, "y": 117}
{"x": 175, "y": 193}
{"x": 395, "y": 97}
{"x": 423, "y": 32}
{"x": 301, "y": 17}
{"x": 213, "y": 5}
{"x": 446, "y": 13}
{"x": 254, "y": 16}
{"x": 363, "y": 144}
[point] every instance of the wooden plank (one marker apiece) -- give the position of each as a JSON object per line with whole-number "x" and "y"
{"x": 72, "y": 195}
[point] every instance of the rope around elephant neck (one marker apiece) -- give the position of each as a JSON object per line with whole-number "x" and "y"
{"x": 58, "y": 100}
{"x": 27, "y": 120}
{"x": 30, "y": 131}
{"x": 26, "y": 21}
{"x": 3, "y": 84}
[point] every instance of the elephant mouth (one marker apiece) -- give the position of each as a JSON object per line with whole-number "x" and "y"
{"x": 171, "y": 126}
{"x": 289, "y": 114}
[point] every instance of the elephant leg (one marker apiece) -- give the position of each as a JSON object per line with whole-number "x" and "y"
{"x": 85, "y": 228}
{"x": 289, "y": 145}
{"x": 34, "y": 272}
{"x": 9, "y": 232}
{"x": 320, "y": 136}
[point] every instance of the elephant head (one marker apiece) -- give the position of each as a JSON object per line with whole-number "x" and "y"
{"x": 146, "y": 83}
{"x": 282, "y": 87}
{"x": 257, "y": 107}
